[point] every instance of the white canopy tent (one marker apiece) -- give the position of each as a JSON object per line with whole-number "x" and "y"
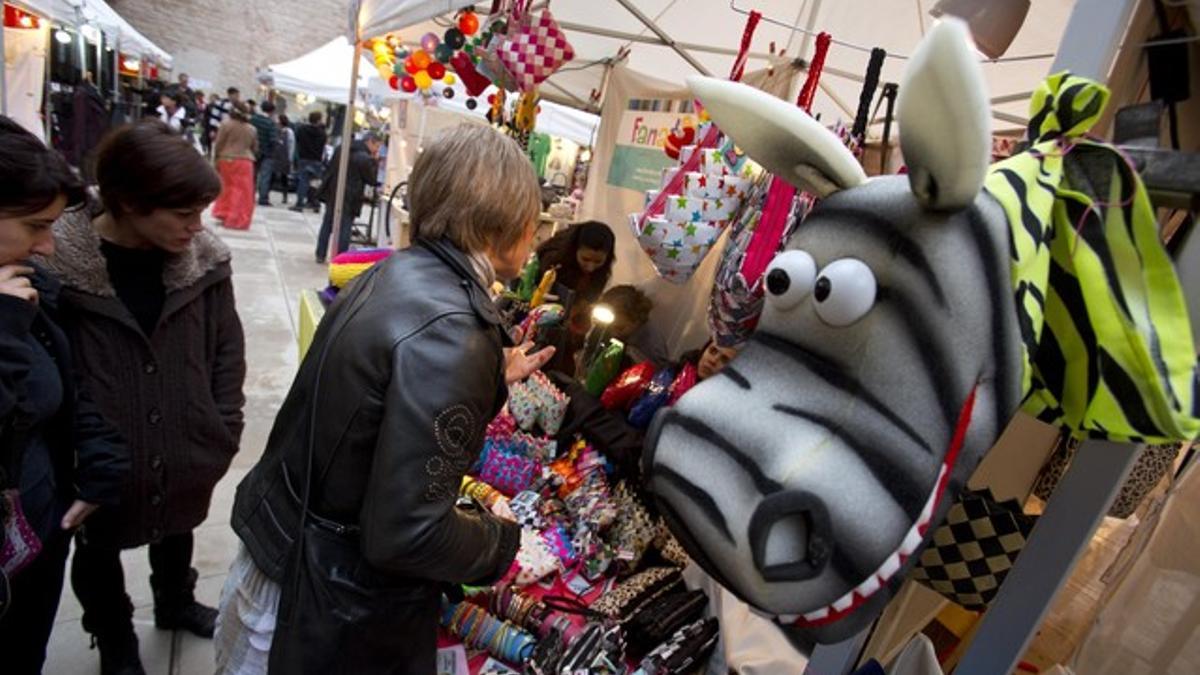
{"x": 709, "y": 32}
{"x": 97, "y": 13}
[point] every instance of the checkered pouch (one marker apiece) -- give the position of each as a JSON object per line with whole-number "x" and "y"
{"x": 534, "y": 48}
{"x": 971, "y": 553}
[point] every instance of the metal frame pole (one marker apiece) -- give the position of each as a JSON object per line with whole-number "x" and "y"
{"x": 3, "y": 75}
{"x": 662, "y": 35}
{"x": 339, "y": 200}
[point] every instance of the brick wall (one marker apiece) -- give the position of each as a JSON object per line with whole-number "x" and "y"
{"x": 223, "y": 42}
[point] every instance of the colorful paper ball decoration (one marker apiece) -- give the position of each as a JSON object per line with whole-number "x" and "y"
{"x": 444, "y": 53}
{"x": 448, "y": 92}
{"x": 398, "y": 69}
{"x": 468, "y": 23}
{"x": 408, "y": 84}
{"x": 423, "y": 80}
{"x": 421, "y": 59}
{"x": 449, "y": 78}
{"x": 410, "y": 65}
{"x": 472, "y": 104}
{"x": 436, "y": 70}
{"x": 454, "y": 38}
{"x": 394, "y": 82}
{"x": 430, "y": 42}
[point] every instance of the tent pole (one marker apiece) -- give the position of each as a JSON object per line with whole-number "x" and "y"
{"x": 339, "y": 200}
{"x": 666, "y": 39}
{"x": 3, "y": 78}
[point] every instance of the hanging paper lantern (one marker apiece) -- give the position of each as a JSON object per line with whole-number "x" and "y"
{"x": 394, "y": 82}
{"x": 421, "y": 59}
{"x": 455, "y": 38}
{"x": 448, "y": 92}
{"x": 402, "y": 54}
{"x": 408, "y": 84}
{"x": 410, "y": 65}
{"x": 468, "y": 23}
{"x": 443, "y": 53}
{"x": 423, "y": 80}
{"x": 436, "y": 70}
{"x": 430, "y": 42}
{"x": 398, "y": 69}
{"x": 472, "y": 104}
{"x": 449, "y": 78}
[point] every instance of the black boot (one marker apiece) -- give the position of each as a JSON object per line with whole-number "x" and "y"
{"x": 117, "y": 642}
{"x": 175, "y": 607}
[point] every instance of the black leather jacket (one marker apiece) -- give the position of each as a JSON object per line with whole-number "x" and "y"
{"x": 403, "y": 376}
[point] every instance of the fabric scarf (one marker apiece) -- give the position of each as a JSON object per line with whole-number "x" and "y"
{"x": 1108, "y": 350}
{"x": 484, "y": 270}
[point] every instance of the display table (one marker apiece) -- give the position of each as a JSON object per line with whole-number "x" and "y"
{"x": 311, "y": 313}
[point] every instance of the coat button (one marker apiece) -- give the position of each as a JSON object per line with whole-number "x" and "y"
{"x": 154, "y": 417}
{"x": 156, "y": 462}
{"x": 150, "y": 368}
{"x": 155, "y": 499}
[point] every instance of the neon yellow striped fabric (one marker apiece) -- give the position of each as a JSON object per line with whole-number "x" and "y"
{"x": 1108, "y": 344}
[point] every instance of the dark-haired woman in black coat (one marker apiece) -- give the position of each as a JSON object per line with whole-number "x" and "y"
{"x": 59, "y": 460}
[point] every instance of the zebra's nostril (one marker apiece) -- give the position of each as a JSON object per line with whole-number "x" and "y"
{"x": 790, "y": 536}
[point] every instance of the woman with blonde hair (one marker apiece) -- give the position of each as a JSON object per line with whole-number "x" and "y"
{"x": 235, "y": 149}
{"x": 349, "y": 522}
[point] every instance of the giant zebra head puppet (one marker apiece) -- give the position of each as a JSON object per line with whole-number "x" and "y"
{"x": 806, "y": 476}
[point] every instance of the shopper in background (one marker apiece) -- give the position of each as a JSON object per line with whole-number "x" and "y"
{"x": 59, "y": 459}
{"x": 285, "y": 151}
{"x": 150, "y": 311}
{"x": 363, "y": 172}
{"x": 186, "y": 96}
{"x": 310, "y": 151}
{"x": 172, "y": 112}
{"x": 404, "y": 384}
{"x": 268, "y": 139}
{"x": 235, "y": 149}
{"x": 583, "y": 254}
{"x": 218, "y": 111}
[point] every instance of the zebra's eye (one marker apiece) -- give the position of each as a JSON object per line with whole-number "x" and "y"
{"x": 844, "y": 292}
{"x": 790, "y": 278}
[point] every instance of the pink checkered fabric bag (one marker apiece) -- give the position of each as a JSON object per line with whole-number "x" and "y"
{"x": 534, "y": 48}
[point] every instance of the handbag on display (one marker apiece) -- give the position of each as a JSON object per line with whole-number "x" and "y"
{"x": 629, "y": 596}
{"x": 972, "y": 551}
{"x": 655, "y": 623}
{"x": 689, "y": 648}
{"x": 531, "y": 49}
{"x": 1153, "y": 463}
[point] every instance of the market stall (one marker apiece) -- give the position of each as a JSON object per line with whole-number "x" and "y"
{"x": 701, "y": 202}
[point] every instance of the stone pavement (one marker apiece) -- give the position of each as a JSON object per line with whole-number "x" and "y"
{"x": 272, "y": 263}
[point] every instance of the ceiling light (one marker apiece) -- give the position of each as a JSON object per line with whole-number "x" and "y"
{"x": 63, "y": 37}
{"x": 993, "y": 23}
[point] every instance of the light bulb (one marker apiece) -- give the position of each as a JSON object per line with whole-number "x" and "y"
{"x": 603, "y": 314}
{"x": 63, "y": 37}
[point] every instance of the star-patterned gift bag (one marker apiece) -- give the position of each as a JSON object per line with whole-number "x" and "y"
{"x": 683, "y": 221}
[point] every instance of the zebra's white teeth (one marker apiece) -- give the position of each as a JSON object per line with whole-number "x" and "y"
{"x": 788, "y": 618}
{"x": 867, "y": 588}
{"x": 911, "y": 541}
{"x": 817, "y": 615}
{"x": 843, "y": 603}
{"x": 889, "y": 566}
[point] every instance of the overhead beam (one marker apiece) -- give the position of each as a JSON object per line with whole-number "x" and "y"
{"x": 664, "y": 37}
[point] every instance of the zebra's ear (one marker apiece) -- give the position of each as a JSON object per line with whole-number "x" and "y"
{"x": 945, "y": 125}
{"x": 784, "y": 139}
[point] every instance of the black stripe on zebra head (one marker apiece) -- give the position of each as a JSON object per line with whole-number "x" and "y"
{"x": 1071, "y": 294}
{"x": 1068, "y": 116}
{"x": 886, "y": 235}
{"x": 936, "y": 364}
{"x": 1125, "y": 390}
{"x": 906, "y": 490}
{"x": 1039, "y": 119}
{"x": 836, "y": 376}
{"x": 698, "y": 496}
{"x": 1006, "y": 364}
{"x": 699, "y": 429}
{"x": 1033, "y": 226}
{"x": 736, "y": 376}
{"x": 848, "y": 566}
